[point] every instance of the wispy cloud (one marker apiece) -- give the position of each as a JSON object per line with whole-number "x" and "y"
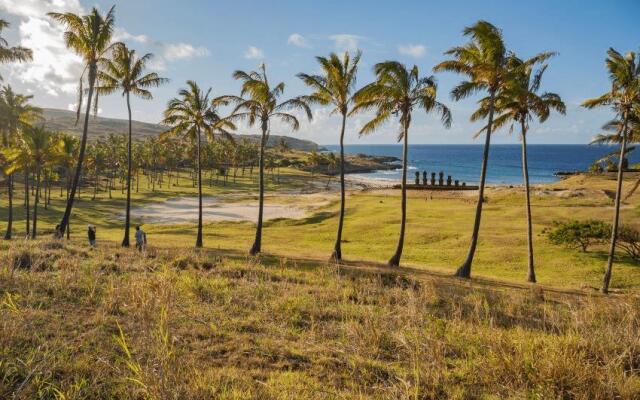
{"x": 346, "y": 41}
{"x": 412, "y": 50}
{"x": 253, "y": 53}
{"x": 182, "y": 51}
{"x": 298, "y": 40}
{"x": 121, "y": 35}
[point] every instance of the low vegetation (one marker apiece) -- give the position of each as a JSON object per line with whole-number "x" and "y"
{"x": 78, "y": 323}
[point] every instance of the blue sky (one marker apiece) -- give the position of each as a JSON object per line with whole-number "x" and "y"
{"x": 207, "y": 40}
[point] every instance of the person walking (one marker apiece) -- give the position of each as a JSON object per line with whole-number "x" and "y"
{"x": 91, "y": 234}
{"x": 141, "y": 239}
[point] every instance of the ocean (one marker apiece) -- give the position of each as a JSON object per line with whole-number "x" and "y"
{"x": 462, "y": 162}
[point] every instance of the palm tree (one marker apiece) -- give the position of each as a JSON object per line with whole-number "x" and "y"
{"x": 12, "y": 54}
{"x": 260, "y": 106}
{"x": 612, "y": 136}
{"x": 89, "y": 36}
{"x": 38, "y": 149}
{"x": 396, "y": 92}
{"x": 624, "y": 73}
{"x": 125, "y": 72}
{"x": 518, "y": 103}
{"x": 16, "y": 114}
{"x": 483, "y": 60}
{"x": 190, "y": 115}
{"x": 335, "y": 86}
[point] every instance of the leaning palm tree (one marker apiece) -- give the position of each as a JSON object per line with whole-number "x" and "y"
{"x": 483, "y": 60}
{"x": 89, "y": 36}
{"x": 397, "y": 91}
{"x": 517, "y": 104}
{"x": 258, "y": 104}
{"x": 125, "y": 72}
{"x": 190, "y": 115}
{"x": 624, "y": 73}
{"x": 334, "y": 86}
{"x": 12, "y": 54}
{"x": 16, "y": 114}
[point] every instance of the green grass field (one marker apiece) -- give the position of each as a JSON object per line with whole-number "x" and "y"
{"x": 437, "y": 232}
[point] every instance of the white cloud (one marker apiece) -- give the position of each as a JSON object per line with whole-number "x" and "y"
{"x": 297, "y": 39}
{"x": 412, "y": 50}
{"x": 346, "y": 42}
{"x": 54, "y": 69}
{"x": 253, "y": 53}
{"x": 180, "y": 51}
{"x": 120, "y": 35}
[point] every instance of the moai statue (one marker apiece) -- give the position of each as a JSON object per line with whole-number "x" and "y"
{"x": 464, "y": 183}
{"x": 424, "y": 178}
{"x": 417, "y": 177}
{"x": 456, "y": 182}
{"x": 433, "y": 179}
{"x": 449, "y": 180}
{"x": 441, "y": 178}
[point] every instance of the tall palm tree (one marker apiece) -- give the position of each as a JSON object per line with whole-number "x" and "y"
{"x": 624, "y": 73}
{"x": 38, "y": 149}
{"x": 125, "y": 72}
{"x": 334, "y": 86}
{"x": 517, "y": 104}
{"x": 16, "y": 114}
{"x": 190, "y": 115}
{"x": 396, "y": 92}
{"x": 89, "y": 36}
{"x": 258, "y": 104}
{"x": 12, "y": 54}
{"x": 483, "y": 60}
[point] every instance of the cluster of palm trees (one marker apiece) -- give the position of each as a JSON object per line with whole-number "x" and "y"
{"x": 511, "y": 85}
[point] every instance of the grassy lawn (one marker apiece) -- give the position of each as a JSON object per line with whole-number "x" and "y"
{"x": 438, "y": 227}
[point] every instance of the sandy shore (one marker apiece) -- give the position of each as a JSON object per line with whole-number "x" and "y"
{"x": 185, "y": 209}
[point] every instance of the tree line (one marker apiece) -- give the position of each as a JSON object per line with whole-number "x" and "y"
{"x": 510, "y": 85}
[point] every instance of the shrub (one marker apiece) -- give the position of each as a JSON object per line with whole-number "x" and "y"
{"x": 629, "y": 241}
{"x": 579, "y": 234}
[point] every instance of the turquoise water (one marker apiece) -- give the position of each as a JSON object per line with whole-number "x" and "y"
{"x": 462, "y": 162}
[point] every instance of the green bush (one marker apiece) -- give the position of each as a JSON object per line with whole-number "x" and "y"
{"x": 579, "y": 234}
{"x": 629, "y": 241}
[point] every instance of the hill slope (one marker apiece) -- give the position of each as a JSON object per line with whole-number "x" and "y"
{"x": 64, "y": 120}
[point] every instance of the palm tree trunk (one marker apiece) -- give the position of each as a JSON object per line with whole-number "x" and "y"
{"x": 395, "y": 260}
{"x": 35, "y": 204}
{"x": 83, "y": 146}
{"x": 464, "y": 271}
{"x": 255, "y": 249}
{"x": 7, "y": 235}
{"x": 337, "y": 248}
{"x": 26, "y": 199}
{"x": 616, "y": 215}
{"x": 531, "y": 276}
{"x": 125, "y": 241}
{"x": 199, "y": 238}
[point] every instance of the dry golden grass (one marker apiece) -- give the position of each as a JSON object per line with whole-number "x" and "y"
{"x": 176, "y": 324}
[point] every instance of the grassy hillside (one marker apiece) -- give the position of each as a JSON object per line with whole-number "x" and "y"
{"x": 63, "y": 120}
{"x": 438, "y": 225}
{"x": 77, "y": 323}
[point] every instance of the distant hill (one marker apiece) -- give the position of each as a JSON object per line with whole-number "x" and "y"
{"x": 64, "y": 120}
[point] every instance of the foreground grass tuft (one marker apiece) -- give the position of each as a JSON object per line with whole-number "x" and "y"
{"x": 77, "y": 323}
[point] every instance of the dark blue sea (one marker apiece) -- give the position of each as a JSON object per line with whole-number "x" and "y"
{"x": 462, "y": 162}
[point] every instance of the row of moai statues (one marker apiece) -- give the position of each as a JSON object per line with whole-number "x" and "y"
{"x": 441, "y": 181}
